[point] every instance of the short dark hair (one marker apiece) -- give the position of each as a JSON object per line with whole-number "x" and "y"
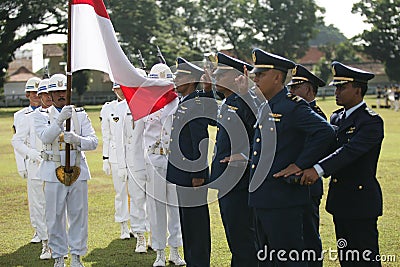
{"x": 363, "y": 86}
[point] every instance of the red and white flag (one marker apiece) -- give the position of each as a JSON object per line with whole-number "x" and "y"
{"x": 94, "y": 46}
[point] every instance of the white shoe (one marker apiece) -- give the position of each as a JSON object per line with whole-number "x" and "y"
{"x": 175, "y": 258}
{"x": 59, "y": 262}
{"x": 76, "y": 261}
{"x": 46, "y": 253}
{"x": 124, "y": 231}
{"x": 160, "y": 260}
{"x": 141, "y": 243}
{"x": 35, "y": 238}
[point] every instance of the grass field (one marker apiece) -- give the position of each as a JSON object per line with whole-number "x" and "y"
{"x": 105, "y": 247}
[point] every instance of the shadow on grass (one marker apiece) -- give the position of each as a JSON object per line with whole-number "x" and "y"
{"x": 27, "y": 255}
{"x": 119, "y": 253}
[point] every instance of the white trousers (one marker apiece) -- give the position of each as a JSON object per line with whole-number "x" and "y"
{"x": 37, "y": 204}
{"x": 121, "y": 195}
{"x": 74, "y": 200}
{"x": 137, "y": 192}
{"x": 163, "y": 202}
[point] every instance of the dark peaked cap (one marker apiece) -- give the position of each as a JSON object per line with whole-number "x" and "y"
{"x": 266, "y": 61}
{"x": 301, "y": 75}
{"x": 185, "y": 67}
{"x": 226, "y": 62}
{"x": 343, "y": 74}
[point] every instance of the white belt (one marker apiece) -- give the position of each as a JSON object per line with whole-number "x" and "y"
{"x": 157, "y": 151}
{"x": 61, "y": 146}
{"x": 50, "y": 157}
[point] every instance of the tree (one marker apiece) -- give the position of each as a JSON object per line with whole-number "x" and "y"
{"x": 229, "y": 20}
{"x": 149, "y": 23}
{"x": 382, "y": 41}
{"x": 343, "y": 52}
{"x": 327, "y": 35}
{"x": 23, "y": 21}
{"x": 80, "y": 83}
{"x": 284, "y": 27}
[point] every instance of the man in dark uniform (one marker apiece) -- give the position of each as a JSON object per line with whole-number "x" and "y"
{"x": 187, "y": 162}
{"x": 288, "y": 137}
{"x": 305, "y": 84}
{"x": 354, "y": 196}
{"x": 229, "y": 170}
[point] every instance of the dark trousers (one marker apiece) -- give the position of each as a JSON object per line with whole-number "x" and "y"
{"x": 280, "y": 232}
{"x": 195, "y": 227}
{"x": 312, "y": 239}
{"x": 354, "y": 237}
{"x": 238, "y": 219}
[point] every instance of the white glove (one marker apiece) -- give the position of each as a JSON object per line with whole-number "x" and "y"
{"x": 65, "y": 114}
{"x": 33, "y": 154}
{"x": 106, "y": 166}
{"x": 23, "y": 174}
{"x": 72, "y": 138}
{"x": 123, "y": 174}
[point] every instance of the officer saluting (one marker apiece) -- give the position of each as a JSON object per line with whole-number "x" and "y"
{"x": 354, "y": 196}
{"x": 302, "y": 138}
{"x": 230, "y": 169}
{"x": 187, "y": 163}
{"x": 61, "y": 194}
{"x": 305, "y": 84}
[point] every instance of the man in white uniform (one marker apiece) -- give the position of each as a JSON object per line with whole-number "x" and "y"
{"x": 162, "y": 194}
{"x": 28, "y": 146}
{"x": 65, "y": 198}
{"x": 109, "y": 119}
{"x": 130, "y": 158}
{"x": 45, "y": 98}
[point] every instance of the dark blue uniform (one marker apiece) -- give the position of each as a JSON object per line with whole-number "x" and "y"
{"x": 188, "y": 160}
{"x": 290, "y": 132}
{"x": 312, "y": 238}
{"x": 235, "y": 122}
{"x": 354, "y": 196}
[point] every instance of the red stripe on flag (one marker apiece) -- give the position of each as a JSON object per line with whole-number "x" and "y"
{"x": 98, "y": 6}
{"x": 146, "y": 100}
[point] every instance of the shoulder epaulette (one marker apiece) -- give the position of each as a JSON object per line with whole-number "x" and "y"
{"x": 232, "y": 107}
{"x": 80, "y": 109}
{"x": 338, "y": 110}
{"x": 30, "y": 111}
{"x": 293, "y": 97}
{"x": 107, "y": 103}
{"x": 43, "y": 110}
{"x": 371, "y": 112}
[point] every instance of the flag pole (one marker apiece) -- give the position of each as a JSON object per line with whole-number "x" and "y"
{"x": 69, "y": 87}
{"x": 68, "y": 174}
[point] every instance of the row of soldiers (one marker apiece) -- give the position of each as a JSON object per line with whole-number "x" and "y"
{"x": 58, "y": 201}
{"x": 273, "y": 145}
{"x": 388, "y": 97}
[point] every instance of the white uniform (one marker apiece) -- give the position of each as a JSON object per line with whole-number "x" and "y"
{"x": 130, "y": 157}
{"x": 60, "y": 198}
{"x": 162, "y": 194}
{"x": 20, "y": 159}
{"x": 25, "y": 142}
{"x": 109, "y": 120}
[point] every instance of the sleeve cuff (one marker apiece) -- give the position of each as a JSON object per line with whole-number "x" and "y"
{"x": 319, "y": 170}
